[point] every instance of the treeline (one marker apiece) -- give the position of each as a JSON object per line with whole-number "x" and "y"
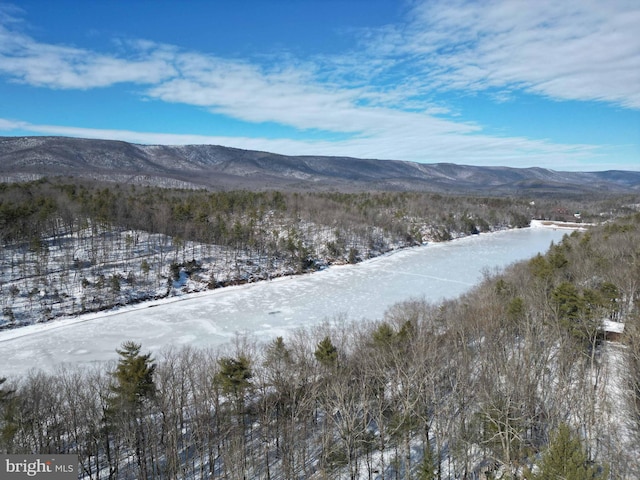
{"x": 513, "y": 380}
{"x": 45, "y": 208}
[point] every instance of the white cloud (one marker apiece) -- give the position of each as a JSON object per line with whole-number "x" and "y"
{"x": 9, "y": 125}
{"x": 64, "y": 67}
{"x": 586, "y": 50}
{"x": 287, "y": 93}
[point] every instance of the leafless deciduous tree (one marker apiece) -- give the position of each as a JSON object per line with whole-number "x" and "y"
{"x": 470, "y": 387}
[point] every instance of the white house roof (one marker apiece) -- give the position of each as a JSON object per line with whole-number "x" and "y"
{"x": 613, "y": 327}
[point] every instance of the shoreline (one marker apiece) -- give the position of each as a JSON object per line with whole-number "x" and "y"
{"x": 558, "y": 224}
{"x": 36, "y": 328}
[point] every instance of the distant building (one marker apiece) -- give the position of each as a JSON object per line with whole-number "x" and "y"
{"x": 612, "y": 331}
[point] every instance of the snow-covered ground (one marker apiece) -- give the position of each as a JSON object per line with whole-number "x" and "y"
{"x": 96, "y": 267}
{"x": 270, "y": 308}
{"x": 562, "y": 225}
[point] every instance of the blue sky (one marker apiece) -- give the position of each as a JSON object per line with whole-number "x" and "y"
{"x": 514, "y": 82}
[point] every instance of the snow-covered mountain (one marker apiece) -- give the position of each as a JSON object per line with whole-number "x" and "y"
{"x": 218, "y": 167}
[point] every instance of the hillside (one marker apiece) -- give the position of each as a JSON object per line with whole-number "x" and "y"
{"x": 71, "y": 247}
{"x": 224, "y": 168}
{"x": 503, "y": 380}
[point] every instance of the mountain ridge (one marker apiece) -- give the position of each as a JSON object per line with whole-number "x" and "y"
{"x": 223, "y": 168}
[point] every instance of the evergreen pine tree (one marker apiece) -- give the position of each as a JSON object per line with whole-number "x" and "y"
{"x": 277, "y": 358}
{"x": 133, "y": 387}
{"x": 428, "y": 466}
{"x": 234, "y": 378}
{"x": 234, "y": 375}
{"x": 384, "y": 336}
{"x": 326, "y": 353}
{"x": 566, "y": 459}
{"x": 134, "y": 377}
{"x": 407, "y": 332}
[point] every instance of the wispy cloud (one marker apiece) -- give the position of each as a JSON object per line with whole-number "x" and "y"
{"x": 63, "y": 67}
{"x": 586, "y": 50}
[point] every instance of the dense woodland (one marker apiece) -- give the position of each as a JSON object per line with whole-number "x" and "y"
{"x": 513, "y": 380}
{"x": 72, "y": 246}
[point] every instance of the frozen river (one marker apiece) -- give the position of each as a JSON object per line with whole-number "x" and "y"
{"x": 268, "y": 309}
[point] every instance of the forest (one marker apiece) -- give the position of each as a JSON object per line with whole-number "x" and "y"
{"x": 515, "y": 379}
{"x": 72, "y": 246}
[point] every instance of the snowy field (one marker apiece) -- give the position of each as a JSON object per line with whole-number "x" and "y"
{"x": 265, "y": 310}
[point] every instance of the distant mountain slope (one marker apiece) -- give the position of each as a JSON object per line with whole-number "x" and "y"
{"x": 217, "y": 167}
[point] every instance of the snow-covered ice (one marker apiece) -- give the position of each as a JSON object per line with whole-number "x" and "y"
{"x": 265, "y": 310}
